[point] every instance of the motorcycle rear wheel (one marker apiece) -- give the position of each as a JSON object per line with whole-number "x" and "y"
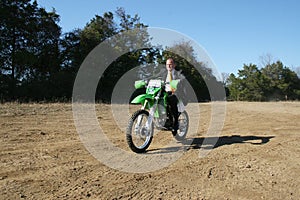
{"x": 183, "y": 128}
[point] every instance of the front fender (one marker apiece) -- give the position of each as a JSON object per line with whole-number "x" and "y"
{"x": 140, "y": 99}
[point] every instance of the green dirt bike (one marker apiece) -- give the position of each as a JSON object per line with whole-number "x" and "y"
{"x": 154, "y": 113}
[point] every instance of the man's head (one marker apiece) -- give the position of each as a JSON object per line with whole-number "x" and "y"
{"x": 170, "y": 64}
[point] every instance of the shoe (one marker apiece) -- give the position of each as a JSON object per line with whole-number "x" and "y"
{"x": 175, "y": 127}
{"x": 175, "y": 130}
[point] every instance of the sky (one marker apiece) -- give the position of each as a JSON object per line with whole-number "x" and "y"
{"x": 233, "y": 32}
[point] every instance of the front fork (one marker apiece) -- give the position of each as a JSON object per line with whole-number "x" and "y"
{"x": 149, "y": 122}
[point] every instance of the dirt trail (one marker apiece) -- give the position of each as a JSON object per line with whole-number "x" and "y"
{"x": 257, "y": 156}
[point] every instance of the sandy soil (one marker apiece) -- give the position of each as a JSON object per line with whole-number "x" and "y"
{"x": 257, "y": 156}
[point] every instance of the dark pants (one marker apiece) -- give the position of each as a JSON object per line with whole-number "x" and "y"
{"x": 172, "y": 101}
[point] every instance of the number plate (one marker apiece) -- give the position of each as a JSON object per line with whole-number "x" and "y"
{"x": 154, "y": 83}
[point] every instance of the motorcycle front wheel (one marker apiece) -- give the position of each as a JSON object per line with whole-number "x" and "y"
{"x": 138, "y": 134}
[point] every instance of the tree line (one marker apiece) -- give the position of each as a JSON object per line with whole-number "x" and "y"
{"x": 273, "y": 82}
{"x": 39, "y": 63}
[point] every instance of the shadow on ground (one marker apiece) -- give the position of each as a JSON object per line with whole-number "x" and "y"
{"x": 213, "y": 142}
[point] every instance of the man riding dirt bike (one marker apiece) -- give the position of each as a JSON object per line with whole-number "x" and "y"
{"x": 160, "y": 109}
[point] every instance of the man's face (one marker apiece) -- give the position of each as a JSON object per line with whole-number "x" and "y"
{"x": 170, "y": 64}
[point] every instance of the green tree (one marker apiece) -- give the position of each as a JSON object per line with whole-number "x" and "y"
{"x": 77, "y": 44}
{"x": 283, "y": 82}
{"x": 234, "y": 86}
{"x": 252, "y": 82}
{"x": 29, "y": 46}
{"x": 13, "y": 30}
{"x": 70, "y": 50}
{"x": 101, "y": 28}
{"x": 249, "y": 85}
{"x": 273, "y": 82}
{"x": 96, "y": 31}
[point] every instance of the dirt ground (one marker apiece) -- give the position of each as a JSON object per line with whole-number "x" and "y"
{"x": 257, "y": 156}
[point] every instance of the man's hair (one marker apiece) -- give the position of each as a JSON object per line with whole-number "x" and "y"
{"x": 170, "y": 58}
